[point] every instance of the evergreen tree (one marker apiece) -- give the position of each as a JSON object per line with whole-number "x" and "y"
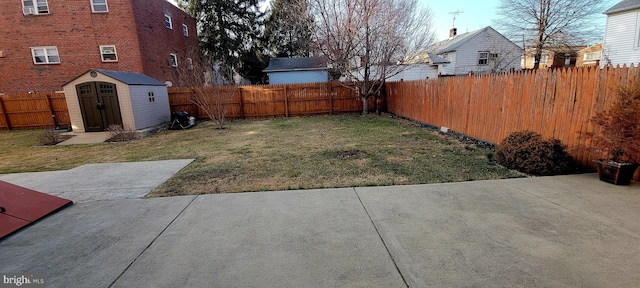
{"x": 288, "y": 28}
{"x": 227, "y": 28}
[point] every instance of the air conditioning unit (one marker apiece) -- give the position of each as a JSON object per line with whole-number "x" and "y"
{"x": 28, "y": 10}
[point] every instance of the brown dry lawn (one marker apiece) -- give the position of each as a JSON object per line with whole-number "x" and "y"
{"x": 275, "y": 154}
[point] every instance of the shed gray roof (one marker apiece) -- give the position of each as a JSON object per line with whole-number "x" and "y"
{"x": 131, "y": 78}
{"x": 623, "y": 6}
{"x": 296, "y": 64}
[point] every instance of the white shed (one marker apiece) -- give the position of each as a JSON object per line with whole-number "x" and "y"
{"x": 99, "y": 98}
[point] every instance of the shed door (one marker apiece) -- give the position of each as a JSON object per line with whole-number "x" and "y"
{"x": 99, "y": 105}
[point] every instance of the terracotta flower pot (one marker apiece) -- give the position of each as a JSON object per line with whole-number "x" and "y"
{"x": 614, "y": 172}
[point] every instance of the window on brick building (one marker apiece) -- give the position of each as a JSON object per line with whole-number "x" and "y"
{"x": 35, "y": 7}
{"x": 174, "y": 60}
{"x": 108, "y": 53}
{"x": 99, "y": 6}
{"x": 185, "y": 30}
{"x": 189, "y": 63}
{"x": 167, "y": 21}
{"x": 45, "y": 55}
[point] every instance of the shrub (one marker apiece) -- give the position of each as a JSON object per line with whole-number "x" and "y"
{"x": 118, "y": 133}
{"x": 529, "y": 153}
{"x": 49, "y": 137}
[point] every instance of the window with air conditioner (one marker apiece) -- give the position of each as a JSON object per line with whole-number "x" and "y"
{"x": 99, "y": 6}
{"x": 45, "y": 55}
{"x": 108, "y": 53}
{"x": 35, "y": 7}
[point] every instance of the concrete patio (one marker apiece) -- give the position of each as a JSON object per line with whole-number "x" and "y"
{"x": 563, "y": 231}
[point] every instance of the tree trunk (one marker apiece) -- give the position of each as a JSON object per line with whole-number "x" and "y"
{"x": 365, "y": 104}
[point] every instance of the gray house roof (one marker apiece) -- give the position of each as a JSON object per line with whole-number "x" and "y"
{"x": 623, "y": 6}
{"x": 296, "y": 64}
{"x": 451, "y": 45}
{"x": 129, "y": 78}
{"x": 435, "y": 59}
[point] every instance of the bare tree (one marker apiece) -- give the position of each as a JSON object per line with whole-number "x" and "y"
{"x": 211, "y": 86}
{"x": 364, "y": 39}
{"x": 549, "y": 22}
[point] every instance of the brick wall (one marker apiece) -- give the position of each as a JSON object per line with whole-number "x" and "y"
{"x": 157, "y": 41}
{"x": 77, "y": 33}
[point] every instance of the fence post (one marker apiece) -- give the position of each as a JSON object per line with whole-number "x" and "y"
{"x": 4, "y": 115}
{"x": 286, "y": 102}
{"x": 241, "y": 103}
{"x": 53, "y": 115}
{"x": 329, "y": 88}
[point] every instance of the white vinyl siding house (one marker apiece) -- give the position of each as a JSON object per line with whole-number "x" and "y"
{"x": 480, "y": 51}
{"x": 622, "y": 34}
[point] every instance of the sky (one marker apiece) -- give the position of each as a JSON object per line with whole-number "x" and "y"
{"x": 475, "y": 14}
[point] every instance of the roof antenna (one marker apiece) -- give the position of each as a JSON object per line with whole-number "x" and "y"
{"x": 455, "y": 13}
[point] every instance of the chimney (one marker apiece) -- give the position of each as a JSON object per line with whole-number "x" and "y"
{"x": 452, "y": 33}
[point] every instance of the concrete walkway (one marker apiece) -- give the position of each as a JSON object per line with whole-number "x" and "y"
{"x": 564, "y": 231}
{"x": 104, "y": 181}
{"x": 85, "y": 138}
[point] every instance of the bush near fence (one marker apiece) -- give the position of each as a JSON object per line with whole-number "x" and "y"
{"x": 267, "y": 101}
{"x": 556, "y": 103}
{"x": 38, "y": 110}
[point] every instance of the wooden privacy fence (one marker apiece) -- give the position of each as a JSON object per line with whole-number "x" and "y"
{"x": 555, "y": 103}
{"x": 272, "y": 100}
{"x": 39, "y": 110}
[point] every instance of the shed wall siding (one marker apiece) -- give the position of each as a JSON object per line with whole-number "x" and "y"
{"x": 621, "y": 39}
{"x": 145, "y": 112}
{"x": 294, "y": 77}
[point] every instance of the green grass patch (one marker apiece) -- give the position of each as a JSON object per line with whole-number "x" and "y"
{"x": 276, "y": 154}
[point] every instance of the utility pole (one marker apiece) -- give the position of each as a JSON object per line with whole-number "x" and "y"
{"x": 455, "y": 13}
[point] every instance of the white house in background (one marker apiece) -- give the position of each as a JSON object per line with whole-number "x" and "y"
{"x": 479, "y": 52}
{"x": 297, "y": 70}
{"x": 426, "y": 67}
{"x": 622, "y": 34}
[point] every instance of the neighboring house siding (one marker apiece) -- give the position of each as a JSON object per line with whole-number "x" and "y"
{"x": 463, "y": 53}
{"x": 416, "y": 72}
{"x": 448, "y": 69}
{"x": 509, "y": 54}
{"x": 78, "y": 33}
{"x": 595, "y": 49}
{"x": 621, "y": 39}
{"x": 148, "y": 113}
{"x": 295, "y": 77}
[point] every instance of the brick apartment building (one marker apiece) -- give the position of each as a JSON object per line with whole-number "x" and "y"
{"x": 46, "y": 43}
